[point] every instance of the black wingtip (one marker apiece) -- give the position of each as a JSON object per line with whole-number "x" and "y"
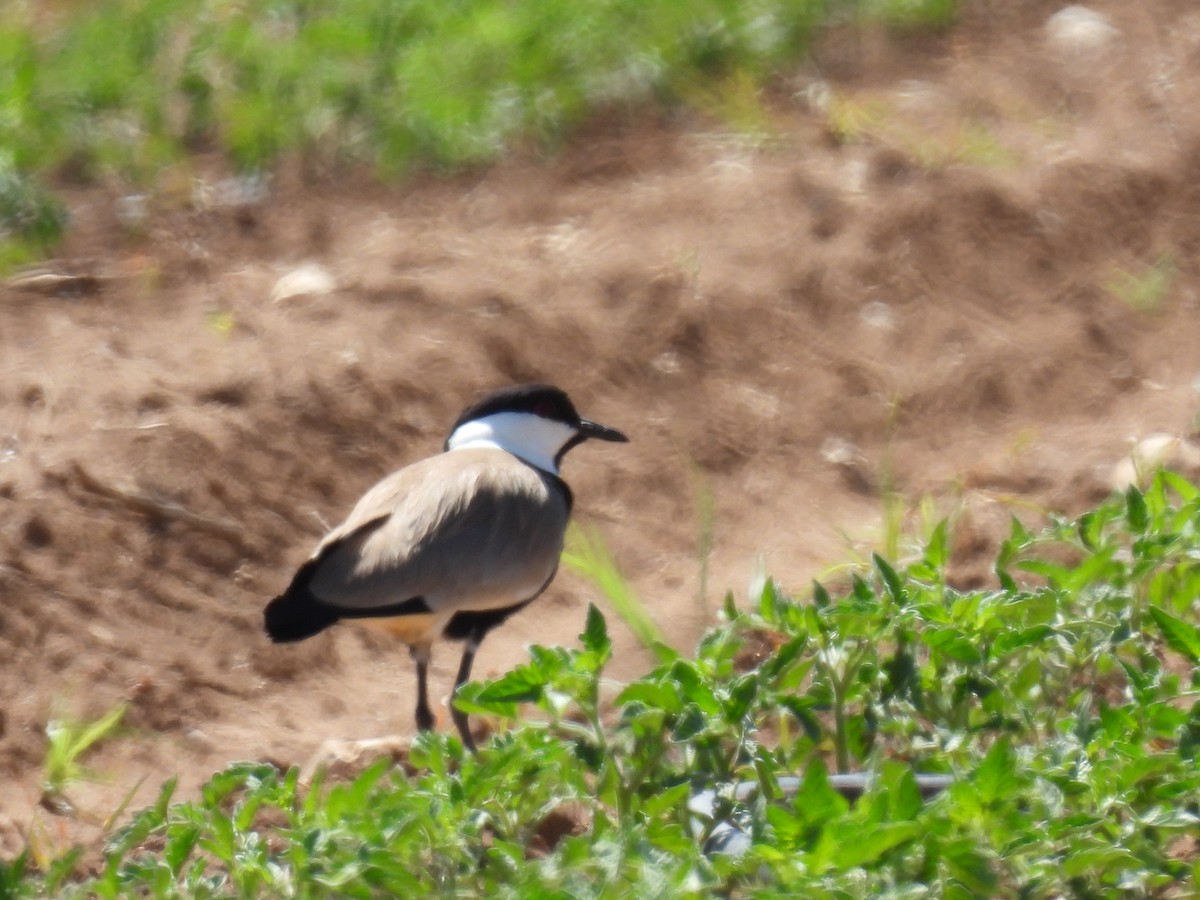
{"x": 295, "y": 614}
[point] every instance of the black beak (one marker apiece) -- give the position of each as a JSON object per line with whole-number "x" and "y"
{"x": 589, "y": 429}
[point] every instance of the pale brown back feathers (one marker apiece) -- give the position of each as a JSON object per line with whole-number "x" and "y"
{"x": 472, "y": 529}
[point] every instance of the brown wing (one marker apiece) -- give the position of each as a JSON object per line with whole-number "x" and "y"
{"x": 470, "y": 529}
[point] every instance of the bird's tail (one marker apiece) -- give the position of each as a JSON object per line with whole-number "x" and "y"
{"x": 296, "y": 614}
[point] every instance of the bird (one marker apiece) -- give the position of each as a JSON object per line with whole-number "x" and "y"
{"x": 451, "y": 545}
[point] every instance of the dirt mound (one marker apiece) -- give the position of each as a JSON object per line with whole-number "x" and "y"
{"x": 960, "y": 266}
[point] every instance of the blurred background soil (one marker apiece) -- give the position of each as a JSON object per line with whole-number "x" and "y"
{"x": 960, "y": 270}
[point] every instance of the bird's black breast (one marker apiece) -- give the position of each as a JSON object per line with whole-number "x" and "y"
{"x": 563, "y": 487}
{"x": 465, "y": 625}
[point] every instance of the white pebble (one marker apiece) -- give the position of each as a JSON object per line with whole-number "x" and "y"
{"x": 309, "y": 280}
{"x": 1076, "y": 29}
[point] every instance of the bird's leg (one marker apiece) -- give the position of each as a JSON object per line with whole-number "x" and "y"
{"x": 464, "y": 672}
{"x": 420, "y": 655}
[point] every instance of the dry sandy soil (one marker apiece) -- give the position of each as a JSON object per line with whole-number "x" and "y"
{"x": 963, "y": 267}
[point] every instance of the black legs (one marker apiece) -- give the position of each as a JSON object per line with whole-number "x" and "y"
{"x": 425, "y": 720}
{"x": 420, "y": 655}
{"x": 464, "y": 672}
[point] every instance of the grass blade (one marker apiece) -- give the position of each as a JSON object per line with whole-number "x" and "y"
{"x": 588, "y": 556}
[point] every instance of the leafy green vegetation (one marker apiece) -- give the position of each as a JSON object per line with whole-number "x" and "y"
{"x": 127, "y": 84}
{"x": 1064, "y": 702}
{"x": 127, "y": 88}
{"x": 31, "y": 219}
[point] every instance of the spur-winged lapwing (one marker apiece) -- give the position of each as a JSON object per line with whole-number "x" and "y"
{"x": 452, "y": 545}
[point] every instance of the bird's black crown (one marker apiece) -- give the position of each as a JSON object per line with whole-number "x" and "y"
{"x": 543, "y": 400}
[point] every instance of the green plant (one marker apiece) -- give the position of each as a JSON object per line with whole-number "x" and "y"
{"x": 130, "y": 88}
{"x": 31, "y": 219}
{"x": 852, "y": 119}
{"x": 1064, "y": 701}
{"x": 1146, "y": 287}
{"x": 922, "y": 13}
{"x": 68, "y": 740}
{"x": 972, "y": 143}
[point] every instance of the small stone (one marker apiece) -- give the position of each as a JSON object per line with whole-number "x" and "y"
{"x": 1154, "y": 452}
{"x": 133, "y": 210}
{"x": 309, "y": 280}
{"x": 851, "y": 462}
{"x": 878, "y": 315}
{"x": 101, "y": 634}
{"x": 1078, "y": 29}
{"x": 239, "y": 192}
{"x": 347, "y": 759}
{"x": 199, "y": 740}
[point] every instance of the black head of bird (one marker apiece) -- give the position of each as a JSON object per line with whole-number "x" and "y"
{"x": 454, "y": 544}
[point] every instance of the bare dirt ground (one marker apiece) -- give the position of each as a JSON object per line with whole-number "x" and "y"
{"x": 963, "y": 264}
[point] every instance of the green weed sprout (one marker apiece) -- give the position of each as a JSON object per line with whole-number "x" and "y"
{"x": 69, "y": 740}
{"x": 1145, "y": 288}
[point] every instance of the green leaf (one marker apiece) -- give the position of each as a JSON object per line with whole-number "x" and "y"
{"x": 862, "y": 845}
{"x": 521, "y": 685}
{"x": 1008, "y": 641}
{"x": 1017, "y": 533}
{"x": 821, "y": 599}
{"x": 692, "y": 722}
{"x": 741, "y": 696}
{"x": 1181, "y": 636}
{"x": 665, "y": 801}
{"x": 891, "y": 581}
{"x": 781, "y": 659}
{"x": 1055, "y": 574}
{"x": 937, "y": 550}
{"x": 729, "y": 607}
{"x": 995, "y": 778}
{"x": 903, "y": 794}
{"x": 862, "y": 592}
{"x": 770, "y": 603}
{"x": 1135, "y": 509}
{"x": 816, "y": 802}
{"x": 799, "y": 707}
{"x": 1189, "y": 734}
{"x": 787, "y": 825}
{"x": 595, "y": 632}
{"x": 694, "y": 687}
{"x": 971, "y": 866}
{"x": 1184, "y": 488}
{"x": 654, "y": 694}
{"x": 1006, "y": 581}
{"x": 180, "y": 841}
{"x": 953, "y": 644}
{"x": 860, "y": 734}
{"x": 1089, "y": 860}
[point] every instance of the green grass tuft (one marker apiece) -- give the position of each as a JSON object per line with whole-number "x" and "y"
{"x": 587, "y": 555}
{"x": 68, "y": 741}
{"x": 32, "y": 219}
{"x": 1147, "y": 287}
{"x": 128, "y": 86}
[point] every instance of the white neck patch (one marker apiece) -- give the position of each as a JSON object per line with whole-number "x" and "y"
{"x": 524, "y": 435}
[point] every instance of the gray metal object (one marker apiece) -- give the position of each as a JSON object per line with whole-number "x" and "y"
{"x": 730, "y": 839}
